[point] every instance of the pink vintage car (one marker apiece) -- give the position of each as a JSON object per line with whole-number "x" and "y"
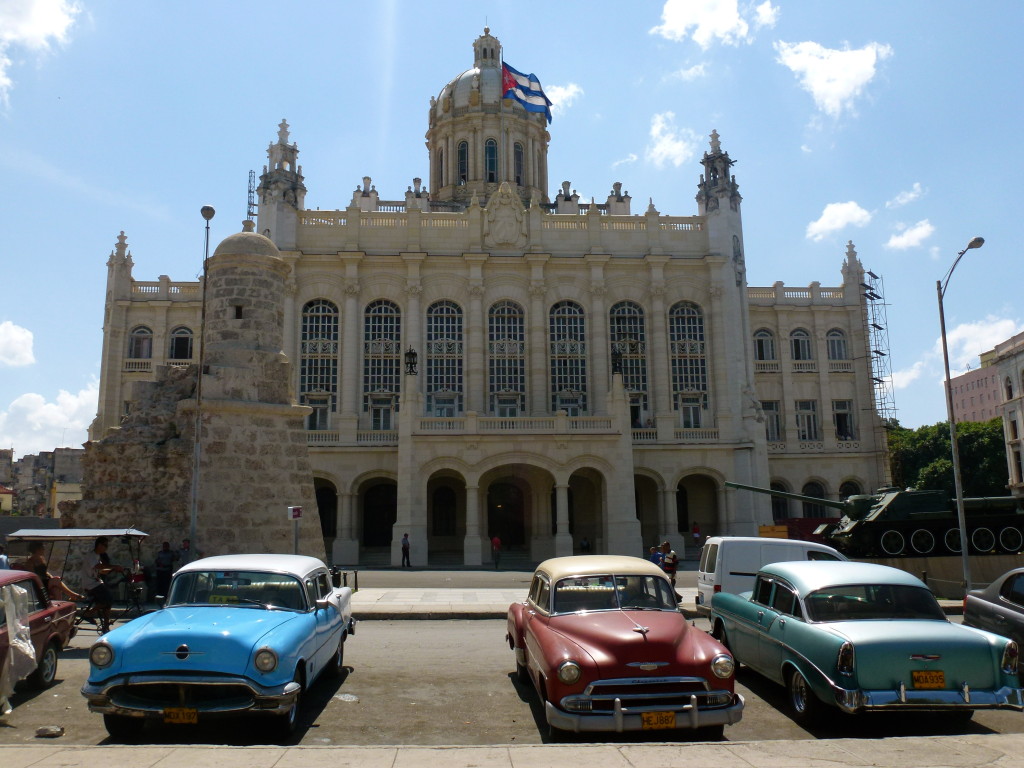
{"x": 603, "y": 642}
{"x": 50, "y": 622}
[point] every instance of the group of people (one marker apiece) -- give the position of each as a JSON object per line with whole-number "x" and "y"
{"x": 665, "y": 558}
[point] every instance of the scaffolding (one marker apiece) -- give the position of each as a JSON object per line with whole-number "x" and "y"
{"x": 877, "y": 334}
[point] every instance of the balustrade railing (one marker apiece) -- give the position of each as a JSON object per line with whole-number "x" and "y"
{"x": 840, "y": 366}
{"x": 138, "y": 366}
{"x": 805, "y": 366}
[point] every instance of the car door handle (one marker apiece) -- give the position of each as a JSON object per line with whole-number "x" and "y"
{"x": 1000, "y": 618}
{"x": 782, "y": 622}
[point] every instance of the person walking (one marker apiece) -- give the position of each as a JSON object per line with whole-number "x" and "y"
{"x": 406, "y": 563}
{"x": 496, "y": 550}
{"x": 164, "y": 567}
{"x": 669, "y": 562}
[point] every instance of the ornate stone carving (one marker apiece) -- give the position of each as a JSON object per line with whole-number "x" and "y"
{"x": 505, "y": 220}
{"x": 476, "y": 290}
{"x": 352, "y": 287}
{"x": 538, "y": 289}
{"x": 414, "y": 289}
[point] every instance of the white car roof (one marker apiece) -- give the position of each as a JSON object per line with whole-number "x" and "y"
{"x": 296, "y": 565}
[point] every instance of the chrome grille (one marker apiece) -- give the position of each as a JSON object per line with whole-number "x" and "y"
{"x": 657, "y": 694}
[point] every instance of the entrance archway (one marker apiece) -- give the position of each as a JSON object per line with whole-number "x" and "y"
{"x": 648, "y": 508}
{"x": 506, "y": 512}
{"x": 697, "y": 502}
{"x": 380, "y": 511}
{"x": 327, "y": 509}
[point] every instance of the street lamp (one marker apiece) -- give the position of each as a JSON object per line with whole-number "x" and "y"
{"x": 410, "y": 362}
{"x": 940, "y": 288}
{"x": 207, "y": 213}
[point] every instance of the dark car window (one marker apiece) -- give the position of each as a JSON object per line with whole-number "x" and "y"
{"x": 784, "y": 600}
{"x": 873, "y": 601}
{"x": 1013, "y": 589}
{"x": 708, "y": 558}
{"x": 762, "y": 590}
{"x": 249, "y": 588}
{"x": 543, "y": 596}
{"x": 813, "y": 554}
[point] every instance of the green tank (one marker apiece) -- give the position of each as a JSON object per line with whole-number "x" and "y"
{"x": 912, "y": 523}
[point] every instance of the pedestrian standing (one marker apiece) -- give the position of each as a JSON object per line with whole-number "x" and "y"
{"x": 164, "y": 567}
{"x": 185, "y": 554}
{"x": 696, "y": 534}
{"x": 669, "y": 562}
{"x": 655, "y": 556}
{"x": 496, "y": 550}
{"x": 406, "y": 563}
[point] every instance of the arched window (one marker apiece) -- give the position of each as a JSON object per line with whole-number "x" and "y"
{"x": 181, "y": 344}
{"x": 140, "y": 343}
{"x": 688, "y": 352}
{"x": 506, "y": 359}
{"x": 517, "y": 159}
{"x": 764, "y": 345}
{"x": 628, "y": 340}
{"x": 491, "y": 161}
{"x": 382, "y": 361}
{"x": 780, "y": 504}
{"x": 463, "y": 162}
{"x": 836, "y": 340}
{"x": 849, "y": 488}
{"x": 444, "y": 359}
{"x": 800, "y": 345}
{"x": 811, "y": 509}
{"x": 318, "y": 361}
{"x": 567, "y": 337}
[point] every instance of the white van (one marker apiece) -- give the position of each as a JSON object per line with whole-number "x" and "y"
{"x": 729, "y": 563}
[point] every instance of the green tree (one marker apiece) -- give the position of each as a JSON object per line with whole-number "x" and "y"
{"x": 921, "y": 458}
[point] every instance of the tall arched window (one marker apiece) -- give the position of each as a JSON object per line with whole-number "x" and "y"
{"x": 689, "y": 363}
{"x": 800, "y": 345}
{"x": 567, "y": 337}
{"x": 628, "y": 340}
{"x": 764, "y": 344}
{"x": 318, "y": 363}
{"x": 811, "y": 509}
{"x": 849, "y": 488}
{"x": 463, "y": 162}
{"x": 140, "y": 343}
{"x": 517, "y": 160}
{"x": 382, "y": 361}
{"x": 780, "y": 504}
{"x": 181, "y": 344}
{"x": 836, "y": 341}
{"x": 491, "y": 161}
{"x": 506, "y": 358}
{"x": 444, "y": 358}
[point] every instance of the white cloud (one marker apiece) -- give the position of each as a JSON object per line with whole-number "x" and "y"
{"x": 630, "y": 158}
{"x": 713, "y": 20}
{"x": 689, "y": 74}
{"x": 903, "y": 379}
{"x": 32, "y": 424}
{"x": 834, "y": 78}
{"x": 836, "y": 216}
{"x": 562, "y": 96}
{"x": 912, "y": 236}
{"x": 15, "y": 345}
{"x": 31, "y": 25}
{"x": 905, "y": 197}
{"x": 670, "y": 144}
{"x": 968, "y": 340}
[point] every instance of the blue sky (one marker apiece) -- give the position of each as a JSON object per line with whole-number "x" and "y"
{"x": 895, "y": 125}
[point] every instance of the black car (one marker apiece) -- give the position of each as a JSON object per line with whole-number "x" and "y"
{"x": 999, "y": 607}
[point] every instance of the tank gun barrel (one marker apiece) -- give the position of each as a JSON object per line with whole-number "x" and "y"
{"x": 841, "y": 505}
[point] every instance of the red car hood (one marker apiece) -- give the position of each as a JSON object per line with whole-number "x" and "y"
{"x": 617, "y": 638}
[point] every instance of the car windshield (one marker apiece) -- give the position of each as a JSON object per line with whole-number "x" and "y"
{"x": 608, "y": 592}
{"x": 254, "y": 588}
{"x": 872, "y": 601}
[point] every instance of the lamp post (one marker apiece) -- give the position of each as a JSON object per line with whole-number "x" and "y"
{"x": 207, "y": 212}
{"x": 940, "y": 288}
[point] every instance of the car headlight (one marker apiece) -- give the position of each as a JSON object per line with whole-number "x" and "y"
{"x": 1010, "y": 658}
{"x": 266, "y": 660}
{"x": 723, "y": 665}
{"x": 569, "y": 672}
{"x": 101, "y": 655}
{"x": 844, "y": 659}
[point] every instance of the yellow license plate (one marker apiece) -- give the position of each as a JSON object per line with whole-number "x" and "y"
{"x": 181, "y": 715}
{"x": 653, "y": 720}
{"x": 929, "y": 678}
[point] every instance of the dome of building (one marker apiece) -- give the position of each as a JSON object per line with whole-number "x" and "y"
{"x": 485, "y": 80}
{"x": 246, "y": 243}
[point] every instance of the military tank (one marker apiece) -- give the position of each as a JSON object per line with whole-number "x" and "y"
{"x": 913, "y": 523}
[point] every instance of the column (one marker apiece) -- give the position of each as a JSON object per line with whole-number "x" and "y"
{"x": 472, "y": 549}
{"x": 658, "y": 349}
{"x": 597, "y": 346}
{"x": 669, "y": 521}
{"x": 563, "y": 539}
{"x": 350, "y": 353}
{"x": 538, "y": 324}
{"x": 346, "y": 545}
{"x": 474, "y": 373}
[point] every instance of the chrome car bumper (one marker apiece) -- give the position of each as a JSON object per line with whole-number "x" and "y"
{"x": 150, "y": 695}
{"x": 923, "y": 700}
{"x": 629, "y": 718}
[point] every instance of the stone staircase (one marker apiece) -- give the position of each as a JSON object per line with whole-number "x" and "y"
{"x": 380, "y": 557}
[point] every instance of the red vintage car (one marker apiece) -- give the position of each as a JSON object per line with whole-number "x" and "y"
{"x": 603, "y": 642}
{"x": 50, "y": 622}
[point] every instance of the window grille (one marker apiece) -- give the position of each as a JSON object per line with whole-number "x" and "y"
{"x": 568, "y": 350}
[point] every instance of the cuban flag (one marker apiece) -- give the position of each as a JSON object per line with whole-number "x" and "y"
{"x": 525, "y": 89}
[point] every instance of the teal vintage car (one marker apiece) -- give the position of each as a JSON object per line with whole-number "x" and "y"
{"x": 863, "y": 637}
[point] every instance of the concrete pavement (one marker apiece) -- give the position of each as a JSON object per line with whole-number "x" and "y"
{"x": 1002, "y": 750}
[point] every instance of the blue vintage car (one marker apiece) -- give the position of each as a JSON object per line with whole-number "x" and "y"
{"x": 863, "y": 637}
{"x": 239, "y": 634}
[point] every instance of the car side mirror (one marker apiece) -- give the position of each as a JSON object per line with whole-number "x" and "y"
{"x": 322, "y": 605}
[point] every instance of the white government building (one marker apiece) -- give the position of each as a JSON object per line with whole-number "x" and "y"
{"x": 587, "y": 376}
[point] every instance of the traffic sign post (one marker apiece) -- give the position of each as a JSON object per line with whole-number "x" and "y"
{"x": 295, "y": 514}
